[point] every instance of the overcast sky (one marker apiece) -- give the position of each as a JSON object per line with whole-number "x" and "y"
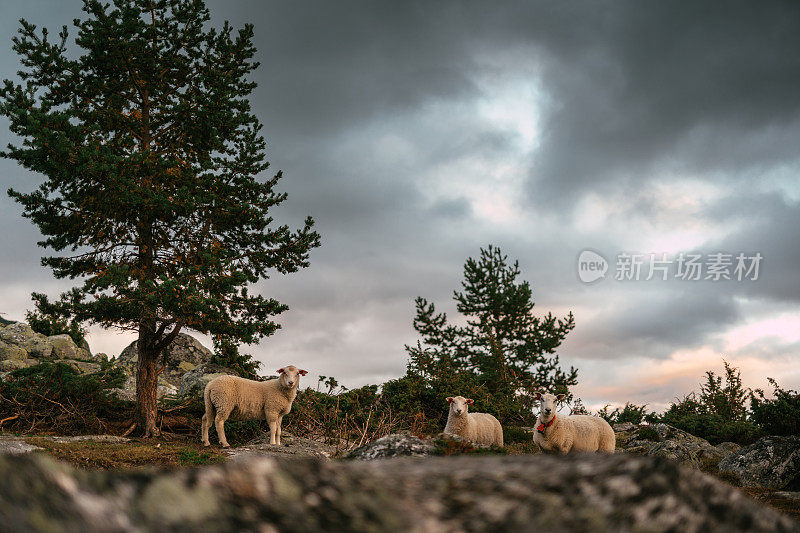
{"x": 416, "y": 133}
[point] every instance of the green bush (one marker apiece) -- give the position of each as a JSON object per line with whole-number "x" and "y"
{"x": 709, "y": 426}
{"x": 779, "y": 415}
{"x": 512, "y": 434}
{"x": 632, "y": 413}
{"x": 56, "y": 397}
{"x": 648, "y": 433}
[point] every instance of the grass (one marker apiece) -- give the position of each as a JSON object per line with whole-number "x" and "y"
{"x": 127, "y": 455}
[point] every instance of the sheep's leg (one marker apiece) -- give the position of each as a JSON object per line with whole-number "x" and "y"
{"x": 278, "y": 432}
{"x": 206, "y": 423}
{"x": 220, "y": 423}
{"x": 272, "y": 420}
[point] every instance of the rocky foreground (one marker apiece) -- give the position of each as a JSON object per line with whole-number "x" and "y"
{"x": 522, "y": 493}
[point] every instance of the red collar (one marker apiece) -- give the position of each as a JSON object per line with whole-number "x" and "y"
{"x": 541, "y": 427}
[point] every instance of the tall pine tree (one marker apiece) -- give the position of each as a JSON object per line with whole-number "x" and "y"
{"x": 504, "y": 349}
{"x": 150, "y": 152}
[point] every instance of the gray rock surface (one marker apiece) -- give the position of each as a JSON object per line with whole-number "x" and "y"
{"x": 194, "y": 381}
{"x": 617, "y": 493}
{"x": 185, "y": 353}
{"x": 291, "y": 446}
{"x": 65, "y": 348}
{"x": 394, "y": 445}
{"x": 10, "y": 445}
{"x": 21, "y": 336}
{"x": 662, "y": 440}
{"x": 771, "y": 462}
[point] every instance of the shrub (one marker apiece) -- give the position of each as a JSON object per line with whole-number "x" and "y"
{"x": 513, "y": 434}
{"x": 779, "y": 415}
{"x": 630, "y": 413}
{"x": 56, "y": 397}
{"x": 648, "y": 433}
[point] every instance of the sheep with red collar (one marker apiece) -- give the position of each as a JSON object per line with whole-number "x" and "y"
{"x": 479, "y": 428}
{"x": 568, "y": 434}
{"x": 245, "y": 399}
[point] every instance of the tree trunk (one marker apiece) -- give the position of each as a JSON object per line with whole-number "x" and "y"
{"x": 147, "y": 383}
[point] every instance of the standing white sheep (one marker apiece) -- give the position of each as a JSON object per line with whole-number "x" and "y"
{"x": 573, "y": 433}
{"x": 480, "y": 428}
{"x": 245, "y": 399}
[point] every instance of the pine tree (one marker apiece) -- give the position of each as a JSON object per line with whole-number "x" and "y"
{"x": 503, "y": 348}
{"x": 150, "y": 153}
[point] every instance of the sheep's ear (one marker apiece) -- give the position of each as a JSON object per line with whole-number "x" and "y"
{"x": 302, "y": 372}
{"x": 449, "y": 399}
{"x": 280, "y": 371}
{"x": 561, "y": 397}
{"x": 470, "y": 401}
{"x": 537, "y": 395}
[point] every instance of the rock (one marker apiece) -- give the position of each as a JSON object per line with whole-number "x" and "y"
{"x": 12, "y": 352}
{"x": 394, "y": 445}
{"x": 291, "y": 446}
{"x": 13, "y": 446}
{"x": 184, "y": 349}
{"x": 128, "y": 390}
{"x": 65, "y": 348}
{"x": 84, "y": 367}
{"x": 727, "y": 448}
{"x": 21, "y": 335}
{"x": 10, "y": 365}
{"x": 662, "y": 440}
{"x": 579, "y": 493}
{"x": 194, "y": 381}
{"x": 625, "y": 426}
{"x": 771, "y": 462}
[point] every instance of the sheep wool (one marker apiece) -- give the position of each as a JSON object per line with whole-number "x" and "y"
{"x": 574, "y": 433}
{"x": 244, "y": 399}
{"x": 479, "y": 428}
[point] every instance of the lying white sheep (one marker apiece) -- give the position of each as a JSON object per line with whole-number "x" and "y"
{"x": 480, "y": 428}
{"x": 245, "y": 399}
{"x": 573, "y": 433}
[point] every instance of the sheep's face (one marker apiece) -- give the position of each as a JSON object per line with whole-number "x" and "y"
{"x": 290, "y": 376}
{"x": 547, "y": 404}
{"x": 459, "y": 405}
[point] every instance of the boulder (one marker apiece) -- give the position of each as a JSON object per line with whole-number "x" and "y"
{"x": 183, "y": 354}
{"x": 65, "y": 348}
{"x": 194, "y": 381}
{"x": 394, "y": 445}
{"x": 771, "y": 462}
{"x": 20, "y": 335}
{"x": 517, "y": 493}
{"x": 727, "y": 448}
{"x": 11, "y": 352}
{"x": 15, "y": 364}
{"x": 662, "y": 440}
{"x": 128, "y": 389}
{"x": 84, "y": 367}
{"x": 624, "y": 426}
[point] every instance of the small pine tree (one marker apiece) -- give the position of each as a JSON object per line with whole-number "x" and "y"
{"x": 504, "y": 352}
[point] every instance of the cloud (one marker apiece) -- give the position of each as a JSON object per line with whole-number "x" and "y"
{"x": 417, "y": 132}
